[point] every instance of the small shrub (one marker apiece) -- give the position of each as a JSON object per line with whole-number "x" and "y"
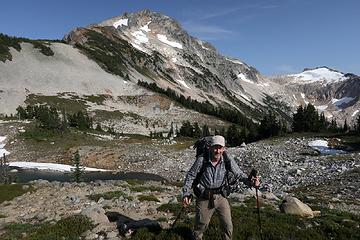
{"x": 150, "y": 198}
{"x": 8, "y": 192}
{"x": 110, "y": 195}
{"x": 43, "y": 48}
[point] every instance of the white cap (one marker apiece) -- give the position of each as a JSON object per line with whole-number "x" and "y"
{"x": 218, "y": 140}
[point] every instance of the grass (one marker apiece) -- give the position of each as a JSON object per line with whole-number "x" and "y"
{"x": 275, "y": 225}
{"x": 69, "y": 228}
{"x": 38, "y": 139}
{"x": 109, "y": 196}
{"x": 71, "y": 105}
{"x": 10, "y": 191}
{"x": 133, "y": 182}
{"x": 147, "y": 188}
{"x": 149, "y": 198}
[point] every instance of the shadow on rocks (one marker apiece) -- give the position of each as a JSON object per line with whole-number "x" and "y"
{"x": 128, "y": 226}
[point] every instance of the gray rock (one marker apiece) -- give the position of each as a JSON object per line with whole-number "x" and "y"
{"x": 96, "y": 213}
{"x": 292, "y": 205}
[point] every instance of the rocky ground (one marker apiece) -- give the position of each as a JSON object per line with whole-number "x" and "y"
{"x": 288, "y": 166}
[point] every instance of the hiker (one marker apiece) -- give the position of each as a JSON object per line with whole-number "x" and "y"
{"x": 211, "y": 188}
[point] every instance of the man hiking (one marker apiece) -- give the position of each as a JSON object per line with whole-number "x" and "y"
{"x": 211, "y": 187}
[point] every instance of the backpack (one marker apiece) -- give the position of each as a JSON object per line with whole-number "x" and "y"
{"x": 202, "y": 147}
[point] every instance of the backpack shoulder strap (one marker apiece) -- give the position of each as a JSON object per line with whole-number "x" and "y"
{"x": 227, "y": 162}
{"x": 202, "y": 170}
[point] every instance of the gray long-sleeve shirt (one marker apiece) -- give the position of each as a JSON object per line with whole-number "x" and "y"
{"x": 213, "y": 176}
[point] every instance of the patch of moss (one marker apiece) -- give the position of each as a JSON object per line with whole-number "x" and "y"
{"x": 10, "y": 191}
{"x": 70, "y": 228}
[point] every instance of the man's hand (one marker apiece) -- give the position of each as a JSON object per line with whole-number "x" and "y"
{"x": 186, "y": 201}
{"x": 255, "y": 181}
{"x": 254, "y": 178}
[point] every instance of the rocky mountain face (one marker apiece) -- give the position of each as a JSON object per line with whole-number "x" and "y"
{"x": 97, "y": 68}
{"x": 330, "y": 91}
{"x": 154, "y": 48}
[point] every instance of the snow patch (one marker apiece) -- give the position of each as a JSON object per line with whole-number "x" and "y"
{"x": 49, "y": 166}
{"x": 319, "y": 74}
{"x": 146, "y": 27}
{"x": 202, "y": 45}
{"x": 294, "y": 96}
{"x": 323, "y": 147}
{"x": 164, "y": 39}
{"x": 302, "y": 95}
{"x": 245, "y": 97}
{"x": 322, "y": 108}
{"x": 183, "y": 83}
{"x": 263, "y": 84}
{"x": 339, "y": 102}
{"x": 353, "y": 115}
{"x": 244, "y": 78}
{"x": 140, "y": 37}
{"x": 235, "y": 61}
{"x": 121, "y": 22}
{"x": 174, "y": 60}
{"x": 138, "y": 47}
{"x": 102, "y": 136}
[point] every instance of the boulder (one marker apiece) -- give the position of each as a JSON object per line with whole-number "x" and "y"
{"x": 270, "y": 196}
{"x": 96, "y": 213}
{"x": 292, "y": 205}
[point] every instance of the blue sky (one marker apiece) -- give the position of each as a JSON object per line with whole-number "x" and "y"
{"x": 274, "y": 36}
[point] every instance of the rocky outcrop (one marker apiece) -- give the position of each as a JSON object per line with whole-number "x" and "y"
{"x": 292, "y": 205}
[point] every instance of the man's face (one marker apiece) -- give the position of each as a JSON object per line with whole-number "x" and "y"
{"x": 216, "y": 152}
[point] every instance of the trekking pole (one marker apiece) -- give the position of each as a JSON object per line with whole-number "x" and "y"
{"x": 179, "y": 214}
{"x": 254, "y": 174}
{"x": 258, "y": 211}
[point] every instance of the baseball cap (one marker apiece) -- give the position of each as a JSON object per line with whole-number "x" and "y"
{"x": 218, "y": 140}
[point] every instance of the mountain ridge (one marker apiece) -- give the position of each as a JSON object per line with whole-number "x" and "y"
{"x": 153, "y": 48}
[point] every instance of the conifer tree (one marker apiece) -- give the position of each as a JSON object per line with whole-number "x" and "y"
{"x": 98, "y": 127}
{"x": 311, "y": 118}
{"x": 197, "y": 131}
{"x": 77, "y": 169}
{"x": 345, "y": 127}
{"x": 205, "y": 130}
{"x": 333, "y": 125}
{"x": 233, "y": 136}
{"x": 21, "y": 112}
{"x": 186, "y": 129}
{"x": 358, "y": 125}
{"x": 298, "y": 120}
{"x": 322, "y": 122}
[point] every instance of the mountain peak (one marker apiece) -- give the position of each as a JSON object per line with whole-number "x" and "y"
{"x": 319, "y": 74}
{"x": 141, "y": 18}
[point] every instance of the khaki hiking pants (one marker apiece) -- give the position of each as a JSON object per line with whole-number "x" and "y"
{"x": 204, "y": 211}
